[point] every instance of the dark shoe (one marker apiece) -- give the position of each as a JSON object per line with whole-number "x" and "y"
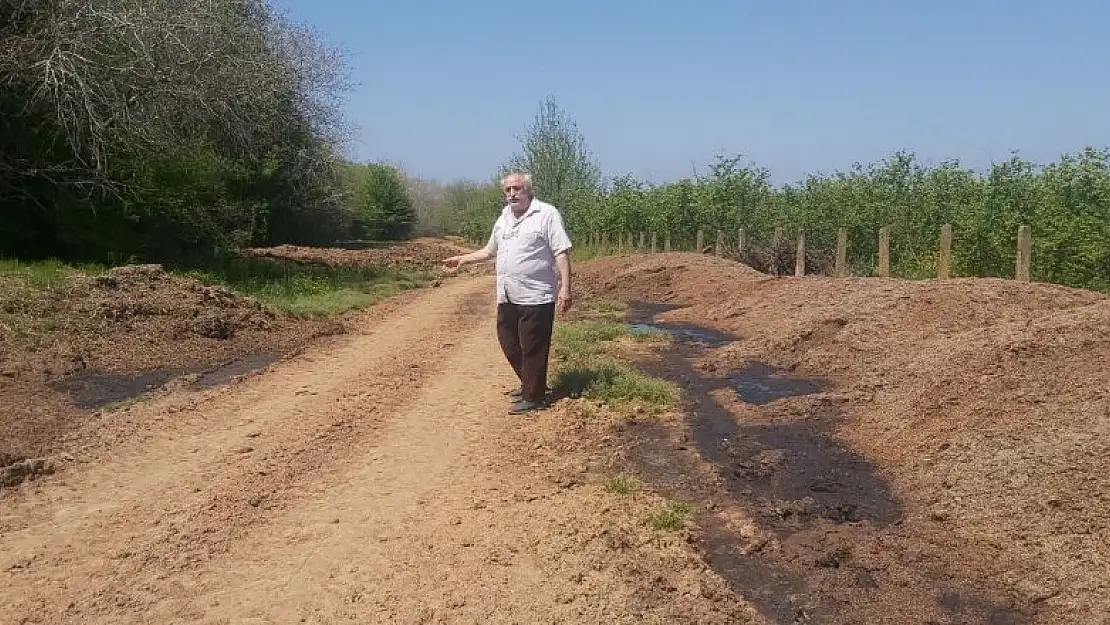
{"x": 524, "y": 406}
{"x": 517, "y": 394}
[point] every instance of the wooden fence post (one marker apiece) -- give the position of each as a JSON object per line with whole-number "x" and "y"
{"x": 944, "y": 259}
{"x": 776, "y": 269}
{"x": 800, "y": 260}
{"x": 740, "y": 242}
{"x": 1024, "y": 253}
{"x": 884, "y": 252}
{"x": 842, "y": 253}
{"x": 654, "y": 239}
{"x": 701, "y": 240}
{"x": 720, "y": 244}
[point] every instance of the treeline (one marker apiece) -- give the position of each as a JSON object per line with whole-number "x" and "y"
{"x": 178, "y": 129}
{"x": 173, "y": 129}
{"x": 1066, "y": 203}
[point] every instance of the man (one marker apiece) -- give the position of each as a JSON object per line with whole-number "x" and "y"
{"x": 533, "y": 281}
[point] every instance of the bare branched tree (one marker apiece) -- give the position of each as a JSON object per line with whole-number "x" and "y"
{"x": 91, "y": 88}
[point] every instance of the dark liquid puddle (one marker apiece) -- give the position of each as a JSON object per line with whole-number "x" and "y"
{"x": 641, "y": 320}
{"x": 246, "y": 365}
{"x": 96, "y": 390}
{"x": 818, "y": 499}
{"x": 760, "y": 384}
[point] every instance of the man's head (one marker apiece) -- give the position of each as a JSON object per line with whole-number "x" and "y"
{"x": 518, "y": 191}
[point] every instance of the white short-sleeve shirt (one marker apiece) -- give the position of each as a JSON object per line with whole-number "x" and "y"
{"x": 526, "y": 248}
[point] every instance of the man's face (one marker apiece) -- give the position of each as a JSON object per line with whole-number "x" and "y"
{"x": 516, "y": 194}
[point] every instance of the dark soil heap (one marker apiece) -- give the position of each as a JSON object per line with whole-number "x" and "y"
{"x": 424, "y": 254}
{"x": 985, "y": 403}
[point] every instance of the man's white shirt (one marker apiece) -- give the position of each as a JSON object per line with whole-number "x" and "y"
{"x": 526, "y": 248}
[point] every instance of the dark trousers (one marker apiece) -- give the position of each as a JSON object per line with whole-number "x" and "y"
{"x": 525, "y": 336}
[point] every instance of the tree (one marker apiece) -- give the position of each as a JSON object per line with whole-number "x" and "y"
{"x": 382, "y": 205}
{"x": 474, "y": 207}
{"x": 162, "y": 127}
{"x": 563, "y": 169}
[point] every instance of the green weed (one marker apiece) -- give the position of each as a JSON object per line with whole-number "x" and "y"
{"x": 623, "y": 484}
{"x": 299, "y": 290}
{"x": 311, "y": 290}
{"x": 585, "y": 368}
{"x": 582, "y": 339}
{"x": 614, "y": 383}
{"x": 46, "y": 275}
{"x": 670, "y": 517}
{"x": 650, "y": 335}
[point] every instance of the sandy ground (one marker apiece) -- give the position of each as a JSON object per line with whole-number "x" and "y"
{"x": 374, "y": 478}
{"x": 852, "y": 451}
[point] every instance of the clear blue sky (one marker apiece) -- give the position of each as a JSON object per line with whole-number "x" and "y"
{"x": 661, "y": 86}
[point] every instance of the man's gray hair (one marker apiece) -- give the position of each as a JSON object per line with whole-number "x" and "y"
{"x": 519, "y": 174}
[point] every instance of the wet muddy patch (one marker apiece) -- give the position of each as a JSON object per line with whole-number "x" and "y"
{"x": 641, "y": 319}
{"x": 243, "y": 366}
{"x": 824, "y": 538}
{"x": 798, "y": 472}
{"x": 94, "y": 390}
{"x": 98, "y": 390}
{"x": 761, "y": 384}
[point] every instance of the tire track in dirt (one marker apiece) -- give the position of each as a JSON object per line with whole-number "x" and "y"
{"x": 107, "y": 539}
{"x": 444, "y": 518}
{"x": 373, "y": 479}
{"x": 338, "y": 558}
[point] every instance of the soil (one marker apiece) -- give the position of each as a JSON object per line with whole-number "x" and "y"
{"x": 422, "y": 254}
{"x": 852, "y": 451}
{"x": 935, "y": 453}
{"x": 374, "y": 477}
{"x": 68, "y": 354}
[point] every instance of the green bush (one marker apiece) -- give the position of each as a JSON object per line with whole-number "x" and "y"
{"x": 383, "y": 210}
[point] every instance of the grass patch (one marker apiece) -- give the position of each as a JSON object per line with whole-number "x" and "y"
{"x": 650, "y": 335}
{"x": 623, "y": 484}
{"x": 585, "y": 338}
{"x": 310, "y": 290}
{"x": 601, "y": 308}
{"x": 585, "y": 367}
{"x": 670, "y": 517}
{"x": 295, "y": 289}
{"x": 45, "y": 275}
{"x": 586, "y": 252}
{"x": 614, "y": 383}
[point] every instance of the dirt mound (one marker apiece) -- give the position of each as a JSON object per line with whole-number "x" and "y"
{"x": 662, "y": 277}
{"x": 102, "y": 340}
{"x": 424, "y": 254}
{"x": 984, "y": 403}
{"x": 14, "y": 471}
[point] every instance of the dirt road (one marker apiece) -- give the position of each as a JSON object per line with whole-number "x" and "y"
{"x": 375, "y": 478}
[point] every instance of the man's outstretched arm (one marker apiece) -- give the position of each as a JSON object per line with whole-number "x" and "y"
{"x": 479, "y": 256}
